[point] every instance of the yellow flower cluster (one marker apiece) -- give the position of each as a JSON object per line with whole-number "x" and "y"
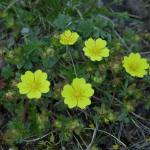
{"x": 33, "y": 84}
{"x": 135, "y": 65}
{"x": 68, "y": 37}
{"x": 78, "y": 93}
{"x": 96, "y": 49}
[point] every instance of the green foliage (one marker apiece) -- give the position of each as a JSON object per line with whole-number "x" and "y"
{"x": 62, "y": 21}
{"x": 7, "y": 72}
{"x": 21, "y": 126}
{"x": 29, "y": 40}
{"x": 67, "y": 127}
{"x": 86, "y": 27}
{"x": 105, "y": 115}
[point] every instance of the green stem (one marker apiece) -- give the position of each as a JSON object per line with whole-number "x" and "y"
{"x": 73, "y": 64}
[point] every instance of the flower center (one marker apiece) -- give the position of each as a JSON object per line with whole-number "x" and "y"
{"x": 96, "y": 50}
{"x": 78, "y": 94}
{"x": 133, "y": 66}
{"x": 35, "y": 85}
{"x": 68, "y": 35}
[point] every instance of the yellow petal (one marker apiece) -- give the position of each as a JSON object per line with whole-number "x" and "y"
{"x": 73, "y": 38}
{"x": 83, "y": 103}
{"x": 40, "y": 76}
{"x": 88, "y": 90}
{"x": 23, "y": 88}
{"x": 71, "y": 102}
{"x": 28, "y": 77}
{"x": 90, "y": 43}
{"x": 100, "y": 43}
{"x": 34, "y": 94}
{"x": 135, "y": 56}
{"x": 44, "y": 88}
{"x": 144, "y": 63}
{"x": 67, "y": 91}
{"x": 67, "y": 33}
{"x": 104, "y": 52}
{"x": 75, "y": 35}
{"x": 96, "y": 58}
{"x": 140, "y": 74}
{"x": 89, "y": 53}
{"x": 125, "y": 60}
{"x": 63, "y": 39}
{"x": 78, "y": 82}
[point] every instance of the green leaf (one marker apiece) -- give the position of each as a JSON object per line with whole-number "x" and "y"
{"x": 49, "y": 62}
{"x": 86, "y": 27}
{"x": 7, "y": 72}
{"x": 62, "y": 21}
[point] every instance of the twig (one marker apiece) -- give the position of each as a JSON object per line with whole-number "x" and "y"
{"x": 145, "y": 128}
{"x": 37, "y": 139}
{"x": 135, "y": 16}
{"x": 139, "y": 117}
{"x": 11, "y": 4}
{"x": 83, "y": 140}
{"x": 78, "y": 142}
{"x": 25, "y": 112}
{"x": 138, "y": 127}
{"x": 144, "y": 53}
{"x": 93, "y": 138}
{"x": 79, "y": 13}
{"x": 2, "y": 148}
{"x": 120, "y": 130}
{"x": 139, "y": 145}
{"x": 122, "y": 40}
{"x": 105, "y": 132}
{"x": 68, "y": 50}
{"x": 96, "y": 98}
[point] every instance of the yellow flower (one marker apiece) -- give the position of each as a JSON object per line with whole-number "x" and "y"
{"x": 33, "y": 84}
{"x": 96, "y": 49}
{"x": 78, "y": 93}
{"x": 135, "y": 65}
{"x": 68, "y": 37}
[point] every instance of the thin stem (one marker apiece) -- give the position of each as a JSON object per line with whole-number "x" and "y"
{"x": 107, "y": 133}
{"x": 79, "y": 13}
{"x": 145, "y": 53}
{"x": 37, "y": 139}
{"x": 96, "y": 98}
{"x": 10, "y": 5}
{"x": 93, "y": 137}
{"x": 122, "y": 40}
{"x": 78, "y": 142}
{"x": 73, "y": 64}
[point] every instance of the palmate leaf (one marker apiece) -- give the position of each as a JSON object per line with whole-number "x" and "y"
{"x": 62, "y": 21}
{"x": 49, "y": 62}
{"x": 32, "y": 46}
{"x": 7, "y": 72}
{"x": 86, "y": 27}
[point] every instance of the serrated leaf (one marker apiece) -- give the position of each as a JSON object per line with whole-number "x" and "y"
{"x": 62, "y": 21}
{"x": 7, "y": 72}
{"x": 86, "y": 27}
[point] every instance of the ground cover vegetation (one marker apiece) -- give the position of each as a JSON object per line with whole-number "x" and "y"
{"x": 74, "y": 75}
